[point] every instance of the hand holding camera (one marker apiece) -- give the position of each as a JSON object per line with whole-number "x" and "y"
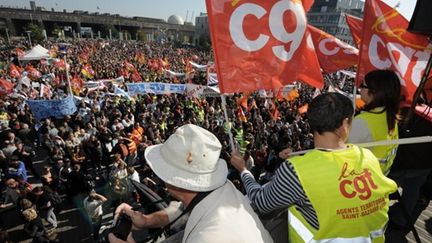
{"x": 122, "y": 227}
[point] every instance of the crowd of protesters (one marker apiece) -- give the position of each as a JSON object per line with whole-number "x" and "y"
{"x": 102, "y": 144}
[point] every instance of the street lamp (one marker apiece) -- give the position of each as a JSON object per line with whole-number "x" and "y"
{"x": 29, "y": 36}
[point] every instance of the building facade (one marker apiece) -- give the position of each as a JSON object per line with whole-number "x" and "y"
{"x": 201, "y": 27}
{"x": 329, "y": 16}
{"x": 93, "y": 25}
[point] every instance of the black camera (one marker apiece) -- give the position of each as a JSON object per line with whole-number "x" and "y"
{"x": 121, "y": 229}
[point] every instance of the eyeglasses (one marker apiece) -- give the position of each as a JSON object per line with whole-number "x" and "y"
{"x": 363, "y": 86}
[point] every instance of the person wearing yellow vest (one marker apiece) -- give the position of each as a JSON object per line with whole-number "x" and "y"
{"x": 335, "y": 193}
{"x": 380, "y": 91}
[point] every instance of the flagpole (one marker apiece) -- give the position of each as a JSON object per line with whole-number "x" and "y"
{"x": 231, "y": 141}
{"x": 63, "y": 50}
{"x": 422, "y": 139}
{"x": 354, "y": 95}
{"x": 419, "y": 89}
{"x": 67, "y": 74}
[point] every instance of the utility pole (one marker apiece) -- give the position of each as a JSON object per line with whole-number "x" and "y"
{"x": 7, "y": 36}
{"x": 29, "y": 36}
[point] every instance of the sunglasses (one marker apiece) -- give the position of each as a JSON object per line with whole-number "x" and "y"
{"x": 363, "y": 86}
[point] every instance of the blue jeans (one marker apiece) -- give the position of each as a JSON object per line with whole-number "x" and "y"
{"x": 410, "y": 181}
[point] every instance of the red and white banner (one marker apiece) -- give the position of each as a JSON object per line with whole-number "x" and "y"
{"x": 387, "y": 45}
{"x": 355, "y": 25}
{"x": 262, "y": 44}
{"x": 333, "y": 54}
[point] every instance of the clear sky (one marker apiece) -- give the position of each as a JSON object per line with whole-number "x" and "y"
{"x": 153, "y": 8}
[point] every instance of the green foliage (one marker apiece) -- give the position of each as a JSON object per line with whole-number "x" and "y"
{"x": 57, "y": 31}
{"x": 205, "y": 42}
{"x": 36, "y": 33}
{"x": 141, "y": 35}
{"x": 105, "y": 31}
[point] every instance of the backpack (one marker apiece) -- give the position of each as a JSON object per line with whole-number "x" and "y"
{"x": 56, "y": 201}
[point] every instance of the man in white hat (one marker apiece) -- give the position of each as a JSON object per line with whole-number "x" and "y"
{"x": 189, "y": 164}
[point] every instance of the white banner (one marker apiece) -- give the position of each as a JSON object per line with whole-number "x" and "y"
{"x": 193, "y": 90}
{"x": 171, "y": 74}
{"x": 93, "y": 84}
{"x": 198, "y": 66}
{"x": 155, "y": 88}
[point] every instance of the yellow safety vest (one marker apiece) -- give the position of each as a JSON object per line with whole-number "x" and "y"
{"x": 201, "y": 115}
{"x": 349, "y": 193}
{"x": 377, "y": 124}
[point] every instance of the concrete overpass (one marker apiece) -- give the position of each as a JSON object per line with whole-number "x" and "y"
{"x": 16, "y": 19}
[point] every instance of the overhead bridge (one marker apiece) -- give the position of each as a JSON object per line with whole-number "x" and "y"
{"x": 95, "y": 24}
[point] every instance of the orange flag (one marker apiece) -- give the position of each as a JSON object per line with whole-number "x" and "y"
{"x": 293, "y": 94}
{"x": 88, "y": 71}
{"x": 242, "y": 101}
{"x": 139, "y": 57}
{"x": 6, "y": 87}
{"x": 14, "y": 71}
{"x": 274, "y": 112}
{"x": 333, "y": 54}
{"x": 241, "y": 115}
{"x": 19, "y": 52}
{"x": 253, "y": 49}
{"x": 60, "y": 64}
{"x": 303, "y": 109}
{"x": 136, "y": 76}
{"x": 33, "y": 73}
{"x": 387, "y": 45}
{"x": 77, "y": 84}
{"x": 355, "y": 25}
{"x": 359, "y": 103}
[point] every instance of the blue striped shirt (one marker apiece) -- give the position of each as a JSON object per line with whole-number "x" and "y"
{"x": 283, "y": 191}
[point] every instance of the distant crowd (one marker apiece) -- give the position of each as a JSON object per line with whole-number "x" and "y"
{"x": 102, "y": 145}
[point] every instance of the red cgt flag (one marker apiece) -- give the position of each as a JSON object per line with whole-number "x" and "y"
{"x": 6, "y": 87}
{"x": 355, "y": 25}
{"x": 262, "y": 44}
{"x": 19, "y": 52}
{"x": 14, "y": 71}
{"x": 76, "y": 84}
{"x": 387, "y": 45}
{"x": 33, "y": 73}
{"x": 333, "y": 54}
{"x": 135, "y": 76}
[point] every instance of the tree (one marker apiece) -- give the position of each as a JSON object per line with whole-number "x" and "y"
{"x": 57, "y": 31}
{"x": 205, "y": 42}
{"x": 141, "y": 35}
{"x": 36, "y": 32}
{"x": 105, "y": 31}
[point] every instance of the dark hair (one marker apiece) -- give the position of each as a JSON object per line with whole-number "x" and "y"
{"x": 326, "y": 112}
{"x": 385, "y": 87}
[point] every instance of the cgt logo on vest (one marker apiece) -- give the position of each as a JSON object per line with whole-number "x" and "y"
{"x": 354, "y": 183}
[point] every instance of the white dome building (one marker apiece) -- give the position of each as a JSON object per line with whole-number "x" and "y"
{"x": 175, "y": 19}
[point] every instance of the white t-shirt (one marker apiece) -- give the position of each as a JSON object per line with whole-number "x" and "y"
{"x": 93, "y": 208}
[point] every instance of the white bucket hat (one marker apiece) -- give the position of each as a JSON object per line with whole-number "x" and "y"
{"x": 189, "y": 159}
